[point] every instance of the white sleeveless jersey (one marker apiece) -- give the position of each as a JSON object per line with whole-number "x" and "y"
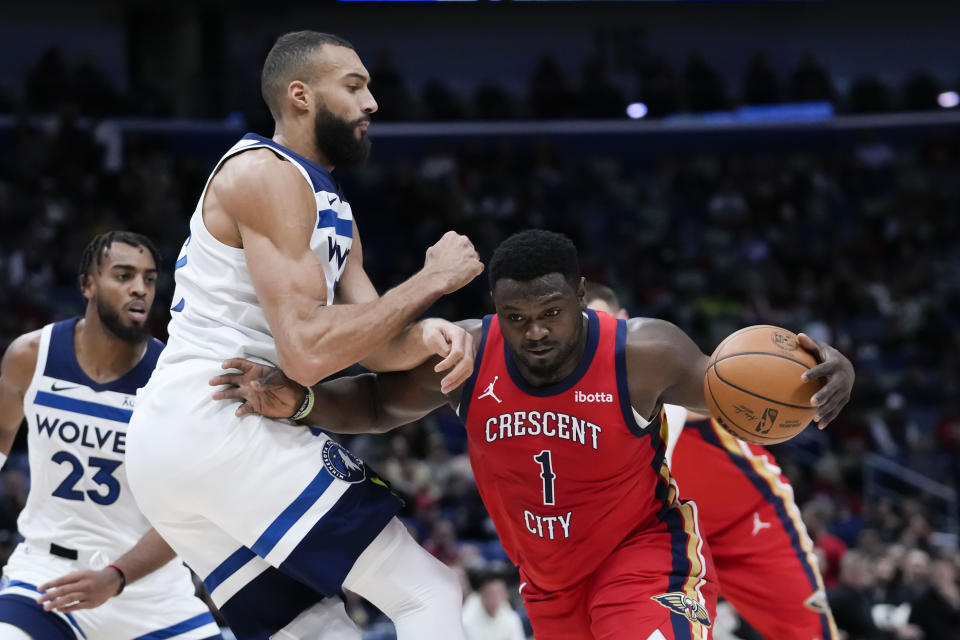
{"x": 79, "y": 497}
{"x": 216, "y": 313}
{"x": 676, "y": 418}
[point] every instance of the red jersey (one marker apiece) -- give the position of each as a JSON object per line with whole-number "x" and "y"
{"x": 567, "y": 471}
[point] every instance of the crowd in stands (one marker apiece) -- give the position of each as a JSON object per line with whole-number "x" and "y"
{"x": 607, "y": 80}
{"x": 855, "y": 245}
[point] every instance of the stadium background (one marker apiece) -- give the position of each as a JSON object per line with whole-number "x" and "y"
{"x": 798, "y": 163}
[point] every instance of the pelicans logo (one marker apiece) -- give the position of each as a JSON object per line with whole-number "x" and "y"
{"x": 818, "y": 602}
{"x": 685, "y": 606}
{"x": 342, "y": 464}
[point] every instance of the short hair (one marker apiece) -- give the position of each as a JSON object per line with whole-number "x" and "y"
{"x": 288, "y": 60}
{"x": 97, "y": 248}
{"x": 597, "y": 291}
{"x": 534, "y": 253}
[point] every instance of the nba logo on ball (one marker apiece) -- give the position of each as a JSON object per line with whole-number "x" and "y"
{"x": 342, "y": 464}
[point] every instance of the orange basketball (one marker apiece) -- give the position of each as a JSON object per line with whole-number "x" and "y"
{"x": 753, "y": 385}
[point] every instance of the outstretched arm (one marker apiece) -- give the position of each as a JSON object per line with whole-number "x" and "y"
{"x": 368, "y": 403}
{"x": 90, "y": 589}
{"x": 665, "y": 366}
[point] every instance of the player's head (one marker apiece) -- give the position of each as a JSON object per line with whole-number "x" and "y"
{"x": 538, "y": 294}
{"x": 319, "y": 77}
{"x": 118, "y": 276}
{"x": 602, "y": 298}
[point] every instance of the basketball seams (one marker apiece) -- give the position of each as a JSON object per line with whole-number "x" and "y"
{"x": 760, "y": 353}
{"x": 757, "y": 395}
{"x": 756, "y": 438}
{"x": 736, "y": 334}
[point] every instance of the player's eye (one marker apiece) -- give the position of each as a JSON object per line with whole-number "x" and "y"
{"x": 515, "y": 317}
{"x": 551, "y": 313}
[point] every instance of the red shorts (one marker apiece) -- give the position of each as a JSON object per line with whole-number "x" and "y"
{"x": 763, "y": 556}
{"x": 657, "y": 585}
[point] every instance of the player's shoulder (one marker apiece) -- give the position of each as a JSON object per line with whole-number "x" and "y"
{"x": 255, "y": 175}
{"x": 658, "y": 343}
{"x": 20, "y": 358}
{"x": 651, "y": 333}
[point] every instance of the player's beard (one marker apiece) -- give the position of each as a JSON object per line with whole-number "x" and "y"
{"x": 549, "y": 370}
{"x": 336, "y": 138}
{"x": 111, "y": 320}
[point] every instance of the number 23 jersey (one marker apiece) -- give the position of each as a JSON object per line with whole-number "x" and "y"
{"x": 79, "y": 497}
{"x": 569, "y": 470}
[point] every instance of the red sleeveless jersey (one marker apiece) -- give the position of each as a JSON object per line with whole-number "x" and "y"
{"x": 566, "y": 471}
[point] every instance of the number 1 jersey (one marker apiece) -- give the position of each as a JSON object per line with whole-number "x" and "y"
{"x": 79, "y": 497}
{"x": 567, "y": 471}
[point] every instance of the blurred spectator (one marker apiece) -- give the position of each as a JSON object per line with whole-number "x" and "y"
{"x": 760, "y": 83}
{"x": 869, "y": 95}
{"x": 442, "y": 543}
{"x": 487, "y": 614}
{"x": 705, "y": 87}
{"x": 937, "y": 609}
{"x": 393, "y": 100}
{"x": 809, "y": 82}
{"x": 816, "y": 517}
{"x": 920, "y": 92}
{"x": 549, "y": 94}
{"x": 893, "y": 432}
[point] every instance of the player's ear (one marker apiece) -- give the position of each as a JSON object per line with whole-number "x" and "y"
{"x": 85, "y": 281}
{"x": 300, "y": 95}
{"x": 582, "y": 293}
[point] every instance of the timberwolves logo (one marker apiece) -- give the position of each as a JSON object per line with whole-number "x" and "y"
{"x": 685, "y": 606}
{"x": 342, "y": 464}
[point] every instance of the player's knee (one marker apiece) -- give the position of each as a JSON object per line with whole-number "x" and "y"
{"x": 447, "y": 586}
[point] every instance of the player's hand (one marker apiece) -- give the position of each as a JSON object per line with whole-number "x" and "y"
{"x": 836, "y": 372}
{"x": 455, "y": 345}
{"x": 79, "y": 590}
{"x": 453, "y": 262}
{"x": 261, "y": 389}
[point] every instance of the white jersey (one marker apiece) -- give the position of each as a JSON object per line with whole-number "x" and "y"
{"x": 676, "y": 418}
{"x": 216, "y": 313}
{"x": 79, "y": 497}
{"x": 80, "y": 512}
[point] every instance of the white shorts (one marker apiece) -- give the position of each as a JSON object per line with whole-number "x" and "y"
{"x": 160, "y": 605}
{"x": 271, "y": 515}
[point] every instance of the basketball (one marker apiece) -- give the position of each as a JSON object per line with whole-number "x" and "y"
{"x": 753, "y": 385}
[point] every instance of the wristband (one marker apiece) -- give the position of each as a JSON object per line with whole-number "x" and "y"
{"x": 123, "y": 578}
{"x": 306, "y": 406}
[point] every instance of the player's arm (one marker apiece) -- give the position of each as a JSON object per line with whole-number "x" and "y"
{"x": 275, "y": 214}
{"x": 16, "y": 372}
{"x": 89, "y": 589}
{"x": 368, "y": 403}
{"x": 663, "y": 366}
{"x": 417, "y": 341}
{"x": 660, "y": 355}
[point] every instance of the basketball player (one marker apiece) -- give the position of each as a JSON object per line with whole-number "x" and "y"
{"x": 563, "y": 419}
{"x": 75, "y": 382}
{"x": 764, "y": 558}
{"x": 274, "y": 518}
